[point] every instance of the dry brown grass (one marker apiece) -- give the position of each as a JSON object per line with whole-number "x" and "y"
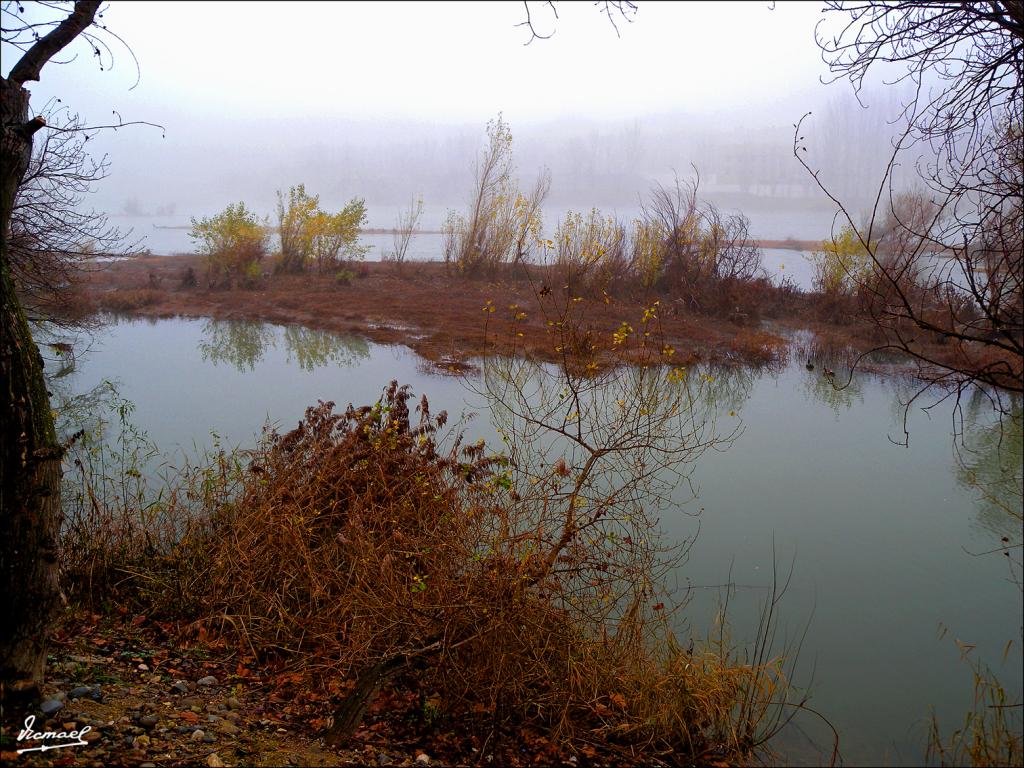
{"x": 128, "y": 299}
{"x": 758, "y": 347}
{"x": 435, "y": 313}
{"x": 991, "y": 734}
{"x": 362, "y": 545}
{"x": 122, "y": 530}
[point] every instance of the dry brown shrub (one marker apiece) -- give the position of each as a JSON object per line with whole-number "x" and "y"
{"x": 361, "y": 544}
{"x": 125, "y": 300}
{"x": 369, "y": 546}
{"x": 347, "y": 501}
{"x": 122, "y": 531}
{"x": 759, "y": 347}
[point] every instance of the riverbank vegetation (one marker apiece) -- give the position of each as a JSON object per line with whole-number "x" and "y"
{"x": 698, "y": 261}
{"x": 514, "y": 593}
{"x": 462, "y": 582}
{"x": 370, "y": 555}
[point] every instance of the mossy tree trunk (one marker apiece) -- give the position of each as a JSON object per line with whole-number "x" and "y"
{"x": 30, "y": 456}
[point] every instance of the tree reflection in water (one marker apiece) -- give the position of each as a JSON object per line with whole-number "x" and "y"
{"x": 990, "y": 462}
{"x": 838, "y": 391}
{"x": 312, "y": 348}
{"x": 237, "y": 342}
{"x": 243, "y": 344}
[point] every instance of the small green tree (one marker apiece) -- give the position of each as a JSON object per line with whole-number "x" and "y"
{"x": 503, "y": 225}
{"x": 233, "y": 243}
{"x": 296, "y": 224}
{"x": 310, "y": 235}
{"x": 335, "y": 236}
{"x": 841, "y": 265}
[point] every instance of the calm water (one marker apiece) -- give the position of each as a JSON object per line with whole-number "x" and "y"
{"x": 880, "y": 535}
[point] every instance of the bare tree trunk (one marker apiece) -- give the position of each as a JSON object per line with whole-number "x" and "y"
{"x": 30, "y": 455}
{"x": 350, "y": 712}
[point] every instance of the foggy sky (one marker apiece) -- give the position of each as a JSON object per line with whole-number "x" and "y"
{"x": 384, "y": 100}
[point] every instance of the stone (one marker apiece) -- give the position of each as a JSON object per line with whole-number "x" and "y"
{"x": 180, "y": 686}
{"x": 209, "y": 738}
{"x": 233, "y": 703}
{"x": 79, "y": 692}
{"x": 149, "y": 722}
{"x": 50, "y": 706}
{"x": 228, "y": 729}
{"x": 384, "y": 760}
{"x": 143, "y": 667}
{"x": 96, "y": 693}
{"x": 141, "y": 742}
{"x": 92, "y": 736}
{"x": 423, "y": 759}
{"x": 147, "y": 765}
{"x": 198, "y": 734}
{"x": 232, "y": 717}
{"x": 206, "y": 681}
{"x": 214, "y": 761}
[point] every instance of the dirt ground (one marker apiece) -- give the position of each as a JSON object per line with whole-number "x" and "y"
{"x": 441, "y": 316}
{"x": 151, "y": 695}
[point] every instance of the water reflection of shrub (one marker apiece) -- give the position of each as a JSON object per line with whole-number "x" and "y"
{"x": 834, "y": 392}
{"x": 237, "y": 342}
{"x": 312, "y": 348}
{"x": 990, "y": 462}
{"x": 243, "y": 344}
{"x": 729, "y": 387}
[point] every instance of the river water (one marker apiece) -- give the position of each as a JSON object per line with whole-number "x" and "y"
{"x": 883, "y": 539}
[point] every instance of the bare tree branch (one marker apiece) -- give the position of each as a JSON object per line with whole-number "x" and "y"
{"x": 623, "y": 10}
{"x": 31, "y": 64}
{"x": 946, "y": 259}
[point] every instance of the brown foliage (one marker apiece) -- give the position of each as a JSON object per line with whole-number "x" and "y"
{"x": 129, "y": 299}
{"x": 363, "y": 546}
